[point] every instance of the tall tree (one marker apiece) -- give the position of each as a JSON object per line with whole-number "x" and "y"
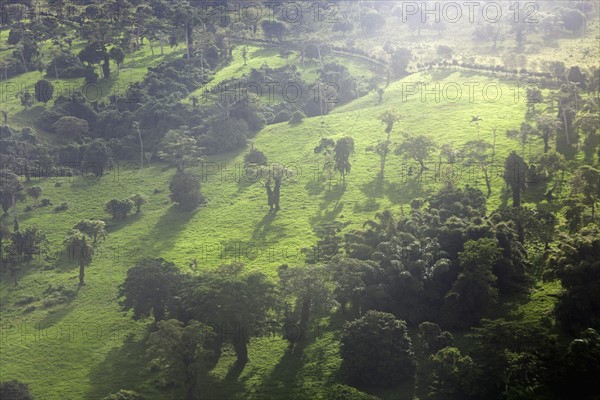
{"x": 586, "y": 181}
{"x": 476, "y": 152}
{"x": 515, "y": 176}
{"x": 80, "y": 249}
{"x": 417, "y": 147}
{"x": 388, "y": 118}
{"x": 342, "y": 150}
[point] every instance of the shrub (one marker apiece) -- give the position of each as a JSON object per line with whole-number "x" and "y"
{"x": 297, "y": 117}
{"x": 255, "y": 156}
{"x": 118, "y": 208}
{"x": 71, "y": 127}
{"x": 185, "y": 191}
{"x": 62, "y": 207}
{"x": 15, "y": 390}
{"x": 124, "y": 395}
{"x": 45, "y": 202}
{"x": 343, "y": 392}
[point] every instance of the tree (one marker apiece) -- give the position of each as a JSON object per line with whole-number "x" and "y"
{"x": 97, "y": 156}
{"x": 118, "y": 55}
{"x": 388, "y": 118}
{"x": 473, "y": 291}
{"x": 180, "y": 353}
{"x": 185, "y": 191}
{"x": 35, "y": 192}
{"x": 71, "y": 127}
{"x": 138, "y": 201}
{"x": 376, "y": 350}
{"x": 44, "y": 91}
{"x": 26, "y": 243}
{"x": 534, "y": 96}
{"x": 342, "y": 150}
{"x": 94, "y": 228}
{"x": 307, "y": 288}
{"x": 80, "y": 249}
{"x": 10, "y": 191}
{"x": 582, "y": 364}
{"x": 149, "y": 288}
{"x": 416, "y": 147}
{"x": 274, "y": 29}
{"x": 179, "y": 148}
{"x": 255, "y": 157}
{"x": 577, "y": 266}
{"x": 348, "y": 275}
{"x": 93, "y": 53}
{"x": 118, "y": 208}
{"x": 15, "y": 390}
{"x": 574, "y": 21}
{"x": 547, "y": 125}
{"x": 522, "y": 134}
{"x": 27, "y": 99}
{"x": 515, "y": 174}
{"x": 400, "y": 59}
{"x": 231, "y": 299}
{"x": 586, "y": 181}
{"x": 448, "y": 374}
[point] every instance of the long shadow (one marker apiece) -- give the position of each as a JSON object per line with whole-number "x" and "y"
{"x": 264, "y": 227}
{"x": 285, "y": 374}
{"x": 164, "y": 234}
{"x": 374, "y": 189}
{"x": 123, "y": 368}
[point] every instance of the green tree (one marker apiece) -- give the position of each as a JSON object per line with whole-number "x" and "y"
{"x": 473, "y": 291}
{"x": 388, "y": 118}
{"x": 180, "y": 148}
{"x": 342, "y": 150}
{"x": 448, "y": 375}
{"x": 523, "y": 134}
{"x": 586, "y": 181}
{"x": 35, "y": 192}
{"x": 138, "y": 201}
{"x": 80, "y": 249}
{"x": 118, "y": 55}
{"x": 515, "y": 176}
{"x": 150, "y": 288}
{"x": 234, "y": 300}
{"x": 25, "y": 243}
{"x": 94, "y": 228}
{"x": 376, "y": 350}
{"x": 15, "y": 390}
{"x": 71, "y": 127}
{"x": 416, "y": 147}
{"x": 124, "y": 395}
{"x": 10, "y": 191}
{"x": 180, "y": 353}
{"x": 185, "y": 191}
{"x": 547, "y": 125}
{"x": 44, "y": 91}
{"x": 118, "y": 208}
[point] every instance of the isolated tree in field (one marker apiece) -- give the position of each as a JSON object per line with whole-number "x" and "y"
{"x": 473, "y": 291}
{"x": 547, "y": 125}
{"x": 515, "y": 176}
{"x": 118, "y": 208}
{"x": 376, "y": 350}
{"x": 523, "y": 134}
{"x": 180, "y": 353}
{"x": 44, "y": 91}
{"x": 185, "y": 191}
{"x": 95, "y": 53}
{"x": 388, "y": 118}
{"x": 549, "y": 165}
{"x": 342, "y": 150}
{"x": 35, "y": 192}
{"x": 234, "y": 299}
{"x": 10, "y": 191}
{"x": 180, "y": 149}
{"x": 15, "y": 390}
{"x": 586, "y": 181}
{"x": 138, "y": 201}
{"x": 274, "y": 29}
{"x": 417, "y": 148}
{"x": 400, "y": 59}
{"x": 255, "y": 157}
{"x": 149, "y": 288}
{"x": 94, "y": 228}
{"x": 534, "y": 96}
{"x": 588, "y": 123}
{"x": 80, "y": 249}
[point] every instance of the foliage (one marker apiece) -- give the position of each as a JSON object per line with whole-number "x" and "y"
{"x": 118, "y": 208}
{"x": 185, "y": 191}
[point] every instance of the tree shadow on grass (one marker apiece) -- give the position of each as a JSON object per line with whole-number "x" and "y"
{"x": 374, "y": 189}
{"x": 164, "y": 234}
{"x": 284, "y": 376}
{"x": 122, "y": 368}
{"x": 264, "y": 227}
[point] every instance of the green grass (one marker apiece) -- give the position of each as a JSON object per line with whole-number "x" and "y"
{"x": 233, "y": 226}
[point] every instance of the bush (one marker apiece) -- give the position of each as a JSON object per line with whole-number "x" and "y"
{"x": 62, "y": 207}
{"x": 66, "y": 65}
{"x": 71, "y": 127}
{"x": 45, "y": 202}
{"x": 118, "y": 208}
{"x": 376, "y": 350}
{"x": 282, "y": 116}
{"x": 255, "y": 156}
{"x": 15, "y": 390}
{"x": 343, "y": 392}
{"x": 185, "y": 191}
{"x": 297, "y": 117}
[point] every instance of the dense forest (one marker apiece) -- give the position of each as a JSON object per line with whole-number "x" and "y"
{"x": 299, "y": 200}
